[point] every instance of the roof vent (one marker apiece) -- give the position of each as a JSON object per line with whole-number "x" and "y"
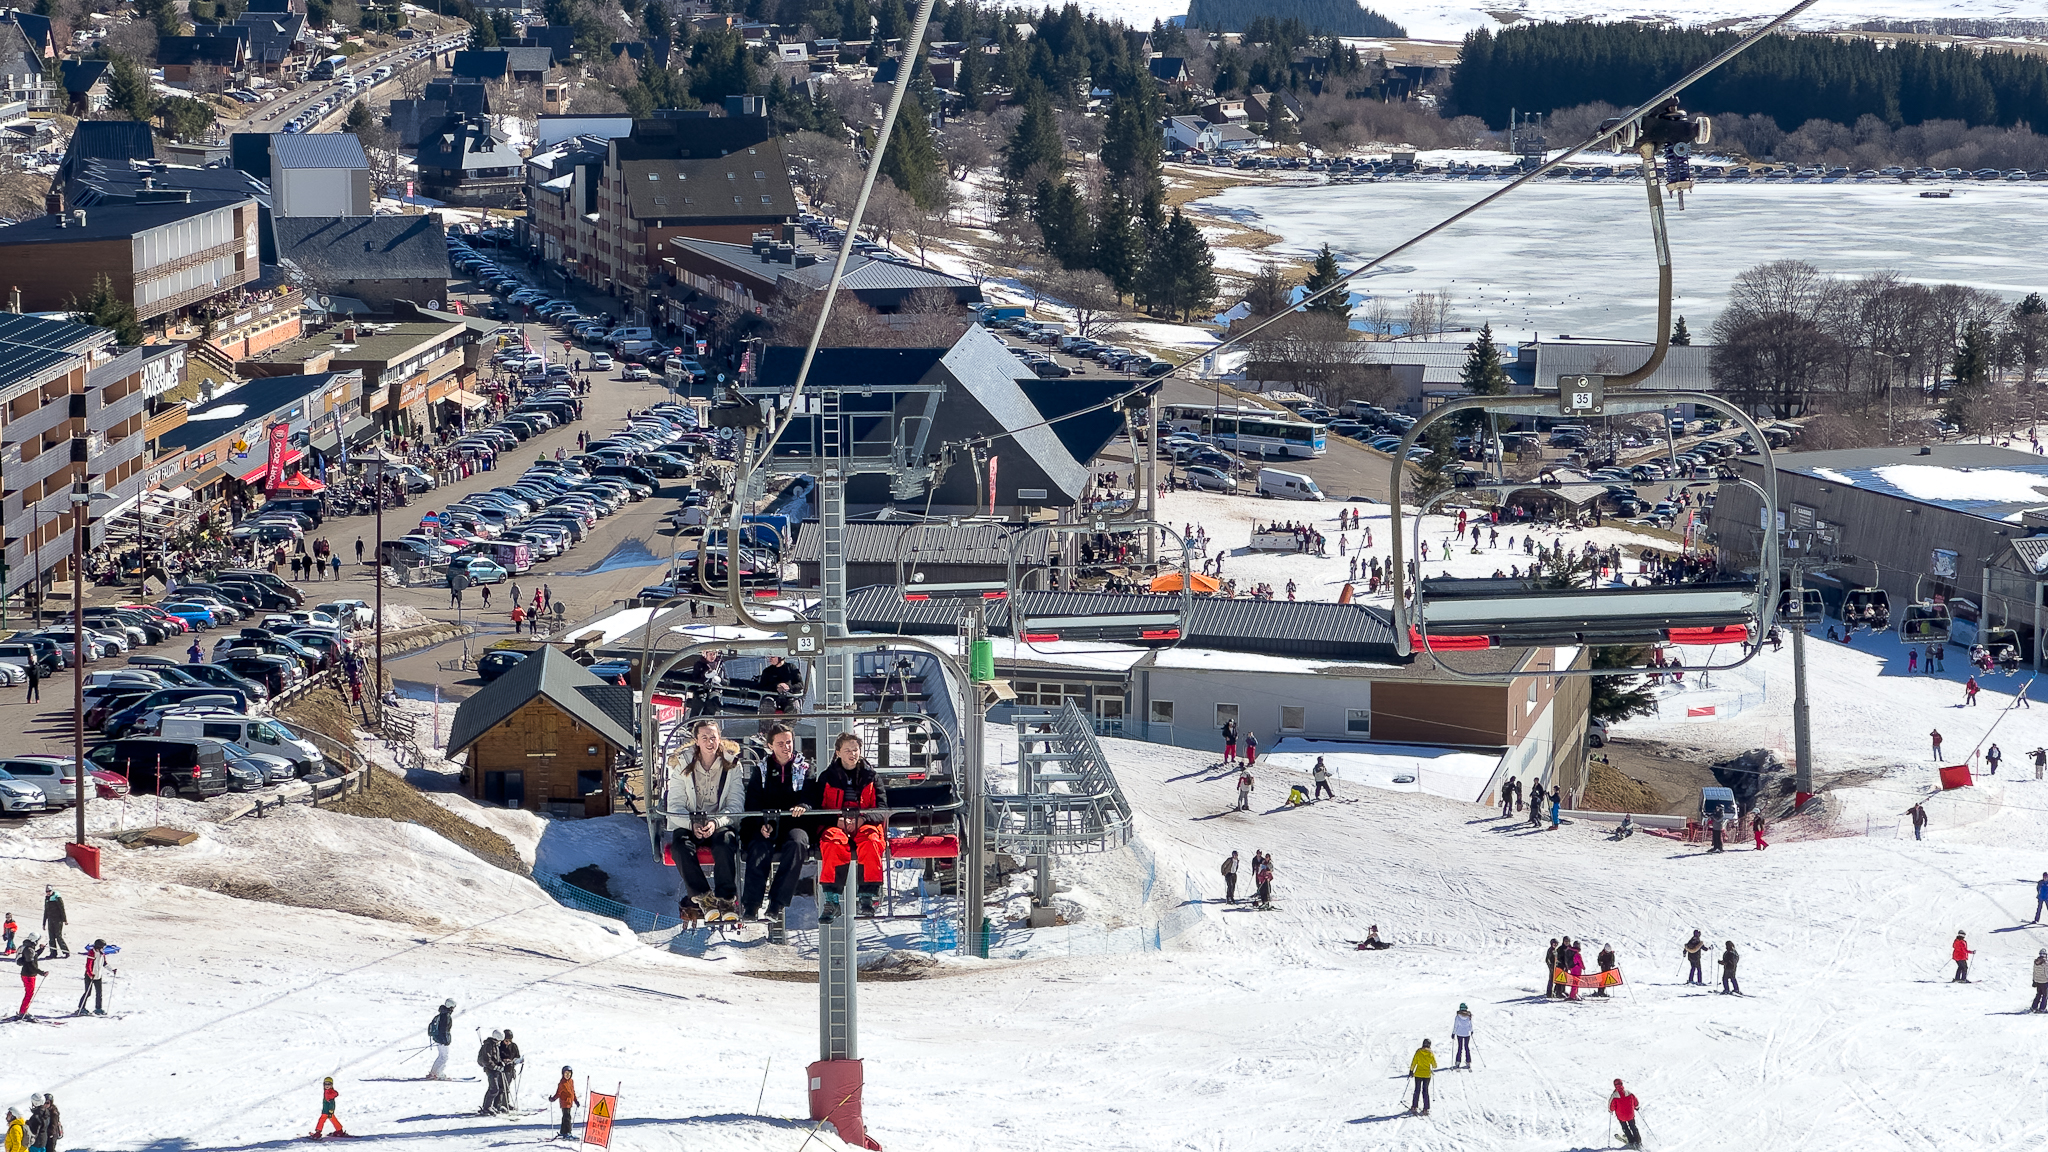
{"x": 78, "y": 217}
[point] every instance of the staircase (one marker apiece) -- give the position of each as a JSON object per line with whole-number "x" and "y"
{"x": 217, "y": 361}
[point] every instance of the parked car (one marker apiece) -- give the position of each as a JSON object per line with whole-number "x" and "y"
{"x": 492, "y": 665}
{"x": 154, "y": 765}
{"x": 54, "y": 775}
{"x": 19, "y": 797}
{"x": 1204, "y": 478}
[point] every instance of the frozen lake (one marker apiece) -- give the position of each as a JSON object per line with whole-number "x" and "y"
{"x": 1577, "y": 259}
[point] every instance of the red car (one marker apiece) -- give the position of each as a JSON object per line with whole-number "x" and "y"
{"x": 109, "y": 785}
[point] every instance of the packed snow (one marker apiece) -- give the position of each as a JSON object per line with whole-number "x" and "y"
{"x": 1577, "y": 258}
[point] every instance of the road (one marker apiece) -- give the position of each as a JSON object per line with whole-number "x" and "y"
{"x": 306, "y": 94}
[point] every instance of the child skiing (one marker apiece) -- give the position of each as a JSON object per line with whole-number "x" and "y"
{"x": 1461, "y": 1031}
{"x": 1623, "y": 1104}
{"x": 95, "y": 979}
{"x": 30, "y": 973}
{"x": 8, "y": 930}
{"x": 327, "y": 1098}
{"x": 1244, "y": 792}
{"x": 1960, "y": 952}
{"x": 565, "y": 1095}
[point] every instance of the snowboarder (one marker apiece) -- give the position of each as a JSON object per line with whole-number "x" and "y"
{"x": 1263, "y": 876}
{"x": 441, "y": 1034}
{"x": 95, "y": 983}
{"x": 565, "y": 1095}
{"x": 1936, "y": 737}
{"x": 1960, "y": 952}
{"x": 513, "y": 1064}
{"x": 2040, "y": 1003}
{"x": 327, "y": 1098}
{"x": 1244, "y": 792}
{"x": 1372, "y": 941}
{"x": 53, "y": 921}
{"x": 1992, "y": 756}
{"x": 31, "y": 948}
{"x": 2040, "y": 896}
{"x": 1756, "y": 828}
{"x": 1695, "y": 948}
{"x": 1919, "y": 815}
{"x": 1230, "y": 741}
{"x": 1729, "y": 960}
{"x": 1461, "y": 1031}
{"x": 488, "y": 1059}
{"x": 1623, "y": 1104}
{"x": 1230, "y": 879}
{"x": 1421, "y": 1066}
{"x": 1970, "y": 691}
{"x": 1322, "y": 777}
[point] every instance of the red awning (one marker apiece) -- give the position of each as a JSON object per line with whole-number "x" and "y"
{"x": 299, "y": 482}
{"x": 291, "y": 457}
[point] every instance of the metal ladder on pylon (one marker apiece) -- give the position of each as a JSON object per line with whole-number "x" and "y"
{"x": 831, "y": 453}
{"x": 838, "y": 975}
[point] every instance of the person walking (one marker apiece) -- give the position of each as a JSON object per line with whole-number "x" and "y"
{"x": 519, "y": 618}
{"x": 1421, "y": 1067}
{"x": 1507, "y": 797}
{"x": 1230, "y": 879}
{"x": 1322, "y": 777}
{"x": 1756, "y": 828}
{"x": 95, "y": 983}
{"x": 1623, "y": 1104}
{"x": 35, "y": 680}
{"x": 53, "y": 921}
{"x": 1936, "y": 737}
{"x": 1536, "y": 795}
{"x": 1714, "y": 829}
{"x": 1960, "y": 951}
{"x": 441, "y": 1034}
{"x": 1556, "y": 807}
{"x": 359, "y": 549}
{"x": 1919, "y": 815}
{"x": 1461, "y": 1031}
{"x": 1230, "y": 741}
{"x": 1993, "y": 757}
{"x": 327, "y": 1098}
{"x": 565, "y": 1095}
{"x": 31, "y": 950}
{"x": 1695, "y": 948}
{"x": 2040, "y": 1003}
{"x": 1730, "y": 960}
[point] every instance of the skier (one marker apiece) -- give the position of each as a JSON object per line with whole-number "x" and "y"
{"x": 1461, "y": 1031}
{"x": 1970, "y": 691}
{"x": 1372, "y": 941}
{"x": 327, "y": 1097}
{"x": 95, "y": 959}
{"x": 494, "y": 1073}
{"x": 1578, "y": 967}
{"x": 17, "y": 1132}
{"x": 1230, "y": 741}
{"x": 1919, "y": 815}
{"x": 1263, "y": 876}
{"x": 1230, "y": 879}
{"x": 1960, "y": 952}
{"x": 851, "y": 786}
{"x": 1244, "y": 791}
{"x": 780, "y": 784}
{"x": 1936, "y": 737}
{"x": 1606, "y": 960}
{"x": 1694, "y": 949}
{"x": 1729, "y": 960}
{"x": 1623, "y": 1104}
{"x": 2040, "y": 755}
{"x": 565, "y": 1095}
{"x": 2040, "y": 1003}
{"x": 9, "y": 929}
{"x": 1992, "y": 756}
{"x": 2040, "y": 896}
{"x": 1322, "y": 776}
{"x": 441, "y": 1034}
{"x": 43, "y": 1134}
{"x": 53, "y": 922}
{"x": 30, "y": 972}
{"x": 1756, "y": 828}
{"x": 513, "y": 1064}
{"x": 1421, "y": 1066}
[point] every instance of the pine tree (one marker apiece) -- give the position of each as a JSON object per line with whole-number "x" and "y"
{"x": 1062, "y": 216}
{"x": 912, "y": 160}
{"x": 1680, "y": 336}
{"x": 654, "y": 20}
{"x": 1432, "y": 475}
{"x": 971, "y": 80}
{"x": 1972, "y": 372}
{"x": 1482, "y": 374}
{"x": 1119, "y": 246}
{"x": 1620, "y": 697}
{"x": 483, "y": 33}
{"x": 359, "y": 119}
{"x": 1180, "y": 274}
{"x": 1037, "y": 142}
{"x": 1325, "y": 273}
{"x": 1267, "y": 294}
{"x": 128, "y": 89}
{"x": 102, "y": 309}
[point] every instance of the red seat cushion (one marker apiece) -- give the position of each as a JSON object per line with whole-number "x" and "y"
{"x": 924, "y": 847}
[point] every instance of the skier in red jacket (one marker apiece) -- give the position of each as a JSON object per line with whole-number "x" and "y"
{"x": 851, "y": 787}
{"x": 327, "y": 1098}
{"x": 1961, "y": 952}
{"x": 1623, "y": 1104}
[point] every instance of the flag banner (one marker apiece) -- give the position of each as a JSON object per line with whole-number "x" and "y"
{"x": 1608, "y": 979}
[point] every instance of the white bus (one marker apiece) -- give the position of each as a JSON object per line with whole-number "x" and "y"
{"x": 1249, "y": 431}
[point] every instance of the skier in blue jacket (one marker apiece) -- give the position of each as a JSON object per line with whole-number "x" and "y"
{"x": 2040, "y": 896}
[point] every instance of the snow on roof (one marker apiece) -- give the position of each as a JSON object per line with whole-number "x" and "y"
{"x": 1940, "y": 485}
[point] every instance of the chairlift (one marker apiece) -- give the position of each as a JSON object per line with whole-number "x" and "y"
{"x": 1142, "y": 620}
{"x": 1455, "y": 613}
{"x": 2002, "y": 644}
{"x": 1925, "y": 622}
{"x": 1807, "y": 605}
{"x": 1868, "y": 607}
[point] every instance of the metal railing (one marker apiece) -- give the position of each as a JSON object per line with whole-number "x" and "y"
{"x": 1068, "y": 799}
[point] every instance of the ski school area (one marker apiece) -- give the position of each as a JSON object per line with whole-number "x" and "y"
{"x": 271, "y": 954}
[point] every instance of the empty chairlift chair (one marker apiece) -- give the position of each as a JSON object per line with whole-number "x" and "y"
{"x": 1806, "y": 606}
{"x": 1925, "y": 622}
{"x": 1459, "y": 614}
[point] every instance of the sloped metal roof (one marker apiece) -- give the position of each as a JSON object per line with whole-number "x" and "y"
{"x": 319, "y": 150}
{"x": 606, "y": 708}
{"x": 882, "y": 541}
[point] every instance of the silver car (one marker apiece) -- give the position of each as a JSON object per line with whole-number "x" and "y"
{"x": 1203, "y": 478}
{"x": 19, "y": 797}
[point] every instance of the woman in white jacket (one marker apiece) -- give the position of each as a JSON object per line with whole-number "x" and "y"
{"x": 2040, "y": 1003}
{"x": 1461, "y": 1031}
{"x": 705, "y": 785}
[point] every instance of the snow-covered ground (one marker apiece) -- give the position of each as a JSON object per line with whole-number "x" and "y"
{"x": 1577, "y": 259}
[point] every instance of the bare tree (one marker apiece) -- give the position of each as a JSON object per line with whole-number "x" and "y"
{"x": 1320, "y": 355}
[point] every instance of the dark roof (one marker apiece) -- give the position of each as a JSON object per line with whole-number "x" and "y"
{"x": 218, "y": 51}
{"x": 1274, "y": 627}
{"x": 117, "y": 182}
{"x": 665, "y": 138}
{"x": 877, "y": 366}
{"x": 108, "y": 140}
{"x": 36, "y": 28}
{"x": 606, "y": 708}
{"x": 1085, "y": 436}
{"x": 752, "y": 181}
{"x": 863, "y": 273}
{"x": 278, "y": 6}
{"x": 560, "y": 37}
{"x": 498, "y": 63}
{"x": 365, "y": 247}
{"x": 882, "y": 541}
{"x": 466, "y": 142}
{"x": 319, "y": 150}
{"x": 1169, "y": 69}
{"x": 1975, "y": 479}
{"x": 105, "y": 223}
{"x": 250, "y": 152}
{"x": 271, "y": 35}
{"x": 230, "y": 410}
{"x": 81, "y": 75}
{"x": 31, "y": 344}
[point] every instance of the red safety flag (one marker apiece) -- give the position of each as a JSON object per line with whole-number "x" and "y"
{"x": 597, "y": 1126}
{"x": 1955, "y": 776}
{"x": 1608, "y": 979}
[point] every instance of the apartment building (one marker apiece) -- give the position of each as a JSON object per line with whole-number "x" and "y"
{"x": 168, "y": 257}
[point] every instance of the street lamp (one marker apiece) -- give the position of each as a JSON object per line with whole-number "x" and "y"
{"x": 83, "y": 493}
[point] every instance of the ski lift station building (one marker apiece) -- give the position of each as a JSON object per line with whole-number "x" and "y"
{"x": 1966, "y": 523}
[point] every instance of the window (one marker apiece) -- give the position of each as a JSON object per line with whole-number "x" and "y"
{"x": 1225, "y": 713}
{"x": 1162, "y": 712}
{"x": 1293, "y": 719}
{"x": 767, "y": 199}
{"x": 732, "y": 175}
{"x": 760, "y": 175}
{"x": 654, "y": 175}
{"x": 1358, "y": 721}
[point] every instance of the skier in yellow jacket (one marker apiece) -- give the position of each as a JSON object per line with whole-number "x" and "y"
{"x": 1422, "y": 1067}
{"x": 17, "y": 1132}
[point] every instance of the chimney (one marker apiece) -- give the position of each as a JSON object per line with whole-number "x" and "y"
{"x": 14, "y": 300}
{"x": 53, "y": 200}
{"x": 78, "y": 217}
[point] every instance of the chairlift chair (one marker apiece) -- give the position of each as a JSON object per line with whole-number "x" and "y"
{"x": 2003, "y": 645}
{"x": 1806, "y": 606}
{"x": 1869, "y": 607}
{"x": 1464, "y": 614}
{"x": 1924, "y": 622}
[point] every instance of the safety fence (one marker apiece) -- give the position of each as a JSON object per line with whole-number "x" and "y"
{"x": 1170, "y": 907}
{"x": 582, "y": 899}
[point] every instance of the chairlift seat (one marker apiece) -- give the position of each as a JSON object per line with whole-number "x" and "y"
{"x": 931, "y": 847}
{"x": 1514, "y": 613}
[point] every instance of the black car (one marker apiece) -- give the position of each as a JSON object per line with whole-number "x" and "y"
{"x": 221, "y": 677}
{"x": 663, "y": 464}
{"x": 195, "y": 769}
{"x": 119, "y": 723}
{"x": 267, "y": 671}
{"x": 492, "y": 665}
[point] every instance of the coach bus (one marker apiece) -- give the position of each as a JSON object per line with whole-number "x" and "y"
{"x": 1247, "y": 431}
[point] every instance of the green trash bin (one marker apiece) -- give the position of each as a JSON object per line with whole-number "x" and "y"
{"x": 981, "y": 663}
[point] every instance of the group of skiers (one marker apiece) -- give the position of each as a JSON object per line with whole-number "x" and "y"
{"x": 1566, "y": 956}
{"x": 40, "y": 1130}
{"x": 1695, "y": 950}
{"x": 32, "y": 951}
{"x": 1262, "y": 878}
{"x": 1511, "y": 802}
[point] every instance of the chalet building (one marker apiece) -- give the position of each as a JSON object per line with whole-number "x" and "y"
{"x": 547, "y": 736}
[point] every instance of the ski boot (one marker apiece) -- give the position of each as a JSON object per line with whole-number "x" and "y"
{"x": 828, "y": 909}
{"x": 866, "y": 903}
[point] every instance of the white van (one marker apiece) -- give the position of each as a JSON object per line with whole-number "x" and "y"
{"x": 256, "y": 733}
{"x": 618, "y": 336}
{"x": 1287, "y": 485}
